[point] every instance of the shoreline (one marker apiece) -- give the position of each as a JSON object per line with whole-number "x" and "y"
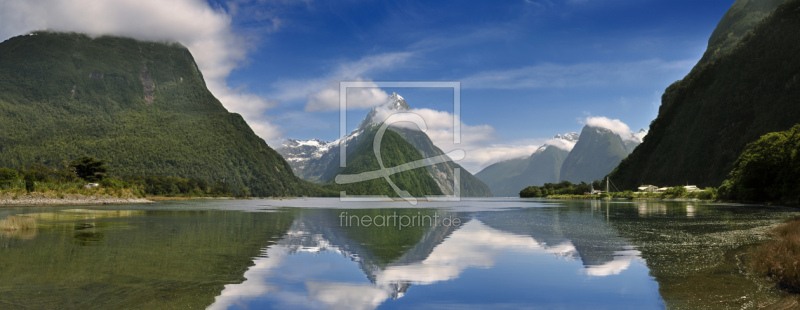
{"x": 36, "y": 200}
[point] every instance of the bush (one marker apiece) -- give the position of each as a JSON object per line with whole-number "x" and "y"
{"x": 779, "y": 259}
{"x": 677, "y": 191}
{"x": 7, "y": 176}
{"x": 767, "y": 170}
{"x": 549, "y": 189}
{"x": 530, "y": 192}
{"x": 89, "y": 169}
{"x": 114, "y": 183}
{"x": 29, "y": 182}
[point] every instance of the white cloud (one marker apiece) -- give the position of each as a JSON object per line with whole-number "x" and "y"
{"x": 322, "y": 94}
{"x": 581, "y": 75}
{"x": 205, "y": 31}
{"x": 616, "y": 126}
{"x": 561, "y": 144}
{"x": 328, "y": 98}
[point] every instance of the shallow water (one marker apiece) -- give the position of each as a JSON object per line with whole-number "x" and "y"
{"x": 323, "y": 253}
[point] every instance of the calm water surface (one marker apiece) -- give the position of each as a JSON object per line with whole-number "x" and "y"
{"x": 326, "y": 254}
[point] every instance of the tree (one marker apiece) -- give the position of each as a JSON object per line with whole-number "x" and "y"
{"x": 29, "y": 182}
{"x": 7, "y": 176}
{"x": 41, "y": 173}
{"x": 89, "y": 169}
{"x": 767, "y": 170}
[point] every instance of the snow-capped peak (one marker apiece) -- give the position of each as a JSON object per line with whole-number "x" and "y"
{"x": 395, "y": 96}
{"x": 396, "y": 102}
{"x": 565, "y": 142}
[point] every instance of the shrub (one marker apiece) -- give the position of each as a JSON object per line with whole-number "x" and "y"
{"x": 89, "y": 169}
{"x": 767, "y": 170}
{"x": 113, "y": 183}
{"x": 7, "y": 176}
{"x": 677, "y": 191}
{"x": 29, "y": 182}
{"x": 779, "y": 259}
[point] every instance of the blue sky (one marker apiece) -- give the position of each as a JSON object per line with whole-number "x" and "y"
{"x": 529, "y": 69}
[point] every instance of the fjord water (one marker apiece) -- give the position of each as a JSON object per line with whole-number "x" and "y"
{"x": 303, "y": 253}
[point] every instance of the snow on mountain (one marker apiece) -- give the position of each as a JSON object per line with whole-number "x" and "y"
{"x": 303, "y": 154}
{"x": 565, "y": 142}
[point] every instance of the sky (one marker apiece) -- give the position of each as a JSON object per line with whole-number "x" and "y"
{"x": 528, "y": 69}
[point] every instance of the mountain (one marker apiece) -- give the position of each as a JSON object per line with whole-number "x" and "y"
{"x": 305, "y": 157}
{"x": 507, "y": 178}
{"x": 318, "y": 161}
{"x": 143, "y": 107}
{"x": 742, "y": 16}
{"x": 596, "y": 154}
{"x": 707, "y": 119}
{"x": 395, "y": 151}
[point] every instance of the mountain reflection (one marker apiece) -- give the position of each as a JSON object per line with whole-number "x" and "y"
{"x": 305, "y": 268}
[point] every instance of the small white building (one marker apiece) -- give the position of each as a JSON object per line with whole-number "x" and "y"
{"x": 692, "y": 188}
{"x": 648, "y": 188}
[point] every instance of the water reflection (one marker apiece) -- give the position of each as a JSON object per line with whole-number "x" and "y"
{"x": 312, "y": 266}
{"x": 506, "y": 254}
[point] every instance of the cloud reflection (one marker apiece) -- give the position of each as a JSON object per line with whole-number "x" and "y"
{"x": 473, "y": 245}
{"x": 622, "y": 260}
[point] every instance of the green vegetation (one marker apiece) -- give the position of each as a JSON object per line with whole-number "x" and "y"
{"x": 89, "y": 169}
{"x": 742, "y": 16}
{"x": 143, "y": 107}
{"x": 394, "y": 151}
{"x": 7, "y": 176}
{"x": 55, "y": 183}
{"x": 443, "y": 173}
{"x": 707, "y": 119}
{"x": 567, "y": 190}
{"x": 779, "y": 258}
{"x": 154, "y": 185}
{"x": 768, "y": 170}
{"x": 563, "y": 188}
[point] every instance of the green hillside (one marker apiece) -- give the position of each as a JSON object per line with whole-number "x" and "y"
{"x": 742, "y": 16}
{"x": 143, "y": 107}
{"x": 395, "y": 151}
{"x": 707, "y": 119}
{"x": 444, "y": 173}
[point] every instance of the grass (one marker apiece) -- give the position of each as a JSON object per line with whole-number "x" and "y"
{"x": 14, "y": 223}
{"x": 779, "y": 259}
{"x": 59, "y": 190}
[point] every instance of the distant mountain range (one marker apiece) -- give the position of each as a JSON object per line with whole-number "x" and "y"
{"x": 507, "y": 178}
{"x": 747, "y": 85}
{"x": 596, "y": 154}
{"x": 142, "y": 107}
{"x": 573, "y": 157}
{"x": 318, "y": 161}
